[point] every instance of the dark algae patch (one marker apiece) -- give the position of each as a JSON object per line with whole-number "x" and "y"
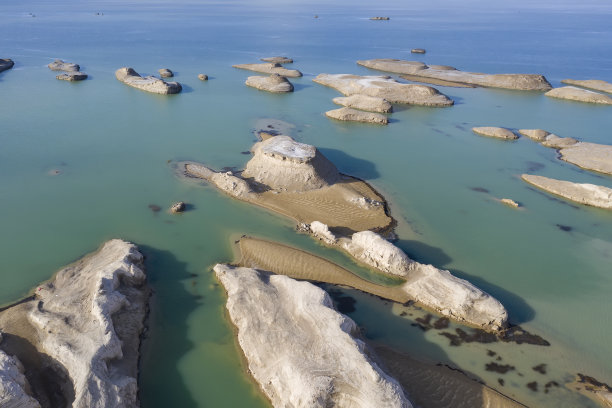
{"x": 498, "y": 368}
{"x": 514, "y": 334}
{"x": 425, "y": 323}
{"x": 533, "y": 386}
{"x": 549, "y": 385}
{"x": 591, "y": 384}
{"x": 476, "y": 335}
{"x": 519, "y": 336}
{"x": 565, "y": 228}
{"x": 501, "y": 381}
{"x": 540, "y": 368}
{"x": 479, "y": 189}
{"x": 344, "y": 303}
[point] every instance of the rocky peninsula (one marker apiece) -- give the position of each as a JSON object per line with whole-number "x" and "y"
{"x": 523, "y": 82}
{"x": 495, "y": 132}
{"x": 354, "y": 115}
{"x": 78, "y": 336}
{"x": 274, "y": 83}
{"x": 270, "y": 68}
{"x": 59, "y": 65}
{"x": 297, "y": 180}
{"x": 385, "y": 87}
{"x": 588, "y": 194}
{"x": 5, "y": 64}
{"x": 595, "y": 84}
{"x": 301, "y": 351}
{"x": 571, "y": 93}
{"x": 365, "y": 103}
{"x": 432, "y": 288}
{"x": 149, "y": 83}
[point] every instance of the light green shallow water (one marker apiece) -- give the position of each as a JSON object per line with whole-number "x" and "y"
{"x": 112, "y": 145}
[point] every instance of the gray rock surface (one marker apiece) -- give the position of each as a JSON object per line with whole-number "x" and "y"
{"x": 418, "y": 51}
{"x": 590, "y": 156}
{"x": 72, "y": 76}
{"x": 13, "y": 384}
{"x": 588, "y": 194}
{"x": 557, "y": 142}
{"x": 364, "y": 102}
{"x": 149, "y": 83}
{"x": 277, "y": 60}
{"x": 353, "y": 115}
{"x": 571, "y": 93}
{"x": 384, "y": 87}
{"x": 274, "y": 83}
{"x": 495, "y": 132}
{"x": 525, "y": 82}
{"x": 87, "y": 322}
{"x": 6, "y": 63}
{"x": 270, "y": 68}
{"x": 283, "y": 164}
{"x": 59, "y": 65}
{"x": 538, "y": 135}
{"x": 596, "y": 84}
{"x": 165, "y": 73}
{"x": 302, "y": 352}
{"x": 177, "y": 207}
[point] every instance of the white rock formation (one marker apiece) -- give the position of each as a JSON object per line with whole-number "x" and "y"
{"x": 298, "y": 348}
{"x": 589, "y": 194}
{"x": 13, "y": 384}
{"x": 270, "y": 68}
{"x": 274, "y": 83}
{"x": 59, "y": 65}
{"x": 283, "y": 164}
{"x": 322, "y": 232}
{"x": 354, "y": 115}
{"x": 579, "y": 95}
{"x": 557, "y": 142}
{"x": 527, "y": 82}
{"x": 432, "y": 287}
{"x": 510, "y": 202}
{"x": 595, "y": 84}
{"x": 590, "y": 156}
{"x": 165, "y": 73}
{"x": 538, "y": 135}
{"x": 496, "y": 132}
{"x": 277, "y": 60}
{"x": 364, "y": 102}
{"x": 384, "y": 87}
{"x": 226, "y": 181}
{"x": 149, "y": 83}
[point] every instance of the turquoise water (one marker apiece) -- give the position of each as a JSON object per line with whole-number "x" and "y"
{"x": 112, "y": 145}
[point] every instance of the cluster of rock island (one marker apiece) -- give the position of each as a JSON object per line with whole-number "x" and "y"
{"x": 75, "y": 341}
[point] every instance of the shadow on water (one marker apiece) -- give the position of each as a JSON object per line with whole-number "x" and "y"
{"x": 298, "y": 87}
{"x": 186, "y": 88}
{"x": 518, "y": 310}
{"x": 348, "y": 164}
{"x": 166, "y": 342}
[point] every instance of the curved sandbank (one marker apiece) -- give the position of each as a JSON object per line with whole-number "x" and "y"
{"x": 435, "y": 289}
{"x": 365, "y": 103}
{"x": 78, "y": 335}
{"x": 588, "y": 194}
{"x": 270, "y": 68}
{"x": 149, "y": 83}
{"x": 277, "y": 60}
{"x": 438, "y": 386}
{"x": 495, "y": 132}
{"x": 296, "y": 180}
{"x": 385, "y": 87}
{"x": 59, "y": 65}
{"x": 523, "y": 82}
{"x": 595, "y": 84}
{"x": 571, "y": 93}
{"x": 299, "y": 349}
{"x": 354, "y": 115}
{"x": 6, "y": 63}
{"x": 274, "y": 83}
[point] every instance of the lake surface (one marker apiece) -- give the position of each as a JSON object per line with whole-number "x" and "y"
{"x": 114, "y": 147}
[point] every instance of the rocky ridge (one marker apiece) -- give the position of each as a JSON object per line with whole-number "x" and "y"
{"x": 354, "y": 115}
{"x": 274, "y": 83}
{"x": 270, "y": 68}
{"x": 149, "y": 83}
{"x": 365, "y": 103}
{"x": 582, "y": 193}
{"x": 572, "y": 93}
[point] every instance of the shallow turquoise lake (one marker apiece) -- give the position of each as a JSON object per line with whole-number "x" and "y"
{"x": 114, "y": 147}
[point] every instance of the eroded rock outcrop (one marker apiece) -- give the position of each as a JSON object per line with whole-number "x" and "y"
{"x": 365, "y": 103}
{"x": 6, "y": 63}
{"x": 525, "y": 82}
{"x": 495, "y": 132}
{"x": 590, "y": 156}
{"x": 165, "y": 73}
{"x": 354, "y": 115}
{"x": 13, "y": 384}
{"x": 588, "y": 194}
{"x": 299, "y": 349}
{"x": 556, "y": 142}
{"x": 59, "y": 65}
{"x": 270, "y": 68}
{"x": 149, "y": 83}
{"x": 538, "y": 135}
{"x": 79, "y": 335}
{"x": 385, "y": 87}
{"x": 277, "y": 60}
{"x": 595, "y": 84}
{"x": 274, "y": 83}
{"x": 572, "y": 93}
{"x": 72, "y": 76}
